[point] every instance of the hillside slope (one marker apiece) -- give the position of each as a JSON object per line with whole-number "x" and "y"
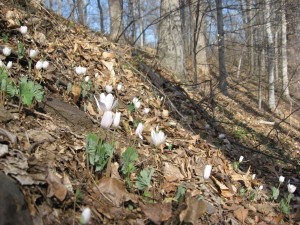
{"x": 52, "y": 145}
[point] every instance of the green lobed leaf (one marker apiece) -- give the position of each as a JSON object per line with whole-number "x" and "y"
{"x": 105, "y": 152}
{"x": 144, "y": 179}
{"x": 92, "y": 142}
{"x": 275, "y": 193}
{"x": 180, "y": 192}
{"x": 128, "y": 157}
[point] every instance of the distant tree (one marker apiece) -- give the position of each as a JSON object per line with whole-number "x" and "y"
{"x": 285, "y": 78}
{"x": 101, "y": 16}
{"x": 221, "y": 47}
{"x": 170, "y": 46}
{"x": 271, "y": 83}
{"x": 116, "y": 18}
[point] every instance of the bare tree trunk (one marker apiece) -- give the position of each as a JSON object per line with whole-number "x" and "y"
{"x": 276, "y": 55}
{"x": 199, "y": 40}
{"x": 141, "y": 22}
{"x": 59, "y": 6}
{"x": 251, "y": 34}
{"x": 116, "y": 21}
{"x": 80, "y": 11}
{"x": 170, "y": 47}
{"x": 50, "y": 4}
{"x": 132, "y": 18}
{"x": 101, "y": 16}
{"x": 72, "y": 9}
{"x": 271, "y": 88}
{"x": 285, "y": 78}
{"x": 221, "y": 46}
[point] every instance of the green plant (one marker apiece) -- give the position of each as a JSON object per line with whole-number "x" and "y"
{"x": 128, "y": 159}
{"x": 21, "y": 50}
{"x": 180, "y": 192}
{"x": 30, "y": 91}
{"x": 144, "y": 179}
{"x": 240, "y": 132}
{"x": 5, "y": 37}
{"x": 98, "y": 151}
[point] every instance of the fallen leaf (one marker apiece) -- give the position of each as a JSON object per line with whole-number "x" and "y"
{"x": 90, "y": 109}
{"x": 241, "y": 214}
{"x": 171, "y": 172}
{"x": 114, "y": 190}
{"x": 76, "y": 90}
{"x": 195, "y": 209}
{"x": 225, "y": 191}
{"x": 158, "y": 212}
{"x": 56, "y": 187}
{"x": 108, "y": 55}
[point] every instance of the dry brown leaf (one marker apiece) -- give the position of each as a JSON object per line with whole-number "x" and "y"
{"x": 244, "y": 178}
{"x": 158, "y": 212}
{"x": 56, "y": 187}
{"x": 76, "y": 90}
{"x": 195, "y": 209}
{"x": 171, "y": 172}
{"x": 241, "y": 214}
{"x": 114, "y": 190}
{"x": 108, "y": 55}
{"x": 274, "y": 220}
{"x": 90, "y": 109}
{"x": 225, "y": 191}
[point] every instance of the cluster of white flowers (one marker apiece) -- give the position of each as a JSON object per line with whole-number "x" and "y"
{"x": 41, "y": 65}
{"x": 106, "y": 104}
{"x": 80, "y": 70}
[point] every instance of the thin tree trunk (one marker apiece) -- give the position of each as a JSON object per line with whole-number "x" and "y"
{"x": 285, "y": 78}
{"x": 276, "y": 56}
{"x": 59, "y": 6}
{"x": 170, "y": 48}
{"x": 80, "y": 12}
{"x": 132, "y": 18}
{"x": 221, "y": 45}
{"x": 101, "y": 16}
{"x": 141, "y": 22}
{"x": 116, "y": 22}
{"x": 271, "y": 85}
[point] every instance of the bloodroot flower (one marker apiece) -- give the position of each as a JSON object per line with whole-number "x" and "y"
{"x": 107, "y": 119}
{"x": 23, "y": 29}
{"x": 33, "y": 53}
{"x": 157, "y": 137}
{"x": 85, "y": 216}
{"x": 136, "y": 102}
{"x": 291, "y": 188}
{"x": 106, "y": 102}
{"x": 207, "y": 171}
{"x": 6, "y": 51}
{"x": 281, "y": 179}
{"x": 117, "y": 118}
{"x": 139, "y": 130}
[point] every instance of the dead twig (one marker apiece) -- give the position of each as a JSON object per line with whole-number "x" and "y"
{"x": 13, "y": 138}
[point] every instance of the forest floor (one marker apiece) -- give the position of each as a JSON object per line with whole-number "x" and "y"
{"x": 51, "y": 157}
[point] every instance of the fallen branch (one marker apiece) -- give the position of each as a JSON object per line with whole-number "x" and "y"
{"x": 13, "y": 138}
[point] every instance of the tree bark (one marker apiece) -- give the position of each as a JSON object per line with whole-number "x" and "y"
{"x": 285, "y": 78}
{"x": 271, "y": 88}
{"x": 116, "y": 21}
{"x": 170, "y": 47}
{"x": 221, "y": 46}
{"x": 101, "y": 16}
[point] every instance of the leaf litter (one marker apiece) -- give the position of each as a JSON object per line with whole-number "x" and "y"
{"x": 49, "y": 158}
